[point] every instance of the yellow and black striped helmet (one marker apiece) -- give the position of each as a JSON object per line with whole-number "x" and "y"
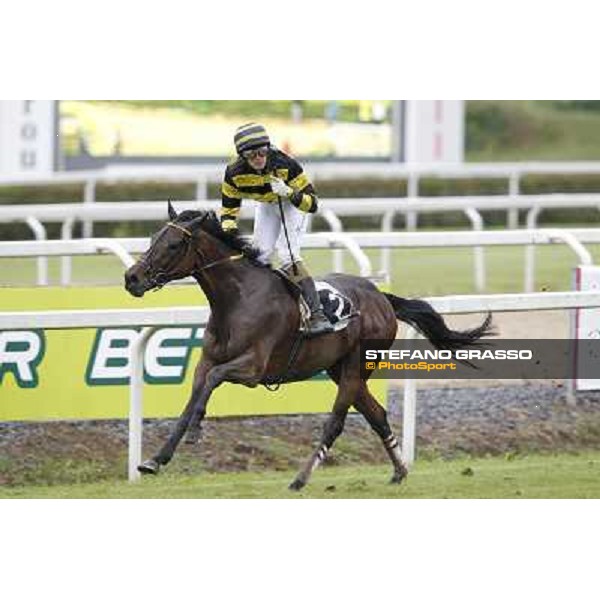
{"x": 249, "y": 136}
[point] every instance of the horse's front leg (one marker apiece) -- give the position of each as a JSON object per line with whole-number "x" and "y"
{"x": 194, "y": 430}
{"x": 243, "y": 369}
{"x": 152, "y": 465}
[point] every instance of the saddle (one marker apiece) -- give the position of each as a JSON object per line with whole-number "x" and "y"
{"x": 338, "y": 308}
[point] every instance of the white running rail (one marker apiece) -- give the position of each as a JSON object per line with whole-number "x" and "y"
{"x": 354, "y": 242}
{"x": 331, "y": 211}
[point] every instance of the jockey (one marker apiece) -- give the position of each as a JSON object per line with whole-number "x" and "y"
{"x": 277, "y": 182}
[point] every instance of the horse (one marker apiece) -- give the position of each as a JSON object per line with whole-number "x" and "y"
{"x": 252, "y": 336}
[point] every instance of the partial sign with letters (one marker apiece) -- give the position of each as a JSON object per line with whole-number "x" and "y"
{"x": 20, "y": 354}
{"x": 28, "y": 137}
{"x": 85, "y": 373}
{"x": 165, "y": 361}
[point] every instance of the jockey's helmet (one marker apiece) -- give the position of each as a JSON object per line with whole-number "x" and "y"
{"x": 250, "y": 136}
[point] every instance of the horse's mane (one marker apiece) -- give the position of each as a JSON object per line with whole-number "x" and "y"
{"x": 212, "y": 226}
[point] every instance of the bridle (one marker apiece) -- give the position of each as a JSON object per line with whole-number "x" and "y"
{"x": 214, "y": 263}
{"x": 160, "y": 277}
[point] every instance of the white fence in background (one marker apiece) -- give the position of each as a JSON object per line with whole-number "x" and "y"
{"x": 161, "y": 317}
{"x": 155, "y": 210}
{"x": 355, "y": 243}
{"x": 34, "y": 215}
{"x": 123, "y": 248}
{"x": 202, "y": 175}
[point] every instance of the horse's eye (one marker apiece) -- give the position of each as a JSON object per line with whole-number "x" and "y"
{"x": 174, "y": 245}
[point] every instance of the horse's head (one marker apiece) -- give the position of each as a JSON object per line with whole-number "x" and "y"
{"x": 172, "y": 255}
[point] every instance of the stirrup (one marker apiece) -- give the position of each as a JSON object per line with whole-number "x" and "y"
{"x": 318, "y": 324}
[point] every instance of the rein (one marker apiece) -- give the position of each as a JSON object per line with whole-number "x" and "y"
{"x": 220, "y": 261}
{"x": 188, "y": 233}
{"x": 287, "y": 237}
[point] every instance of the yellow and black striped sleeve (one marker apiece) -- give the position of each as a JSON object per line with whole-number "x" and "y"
{"x": 231, "y": 202}
{"x": 304, "y": 196}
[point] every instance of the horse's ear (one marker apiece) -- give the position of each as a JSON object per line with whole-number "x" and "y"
{"x": 172, "y": 212}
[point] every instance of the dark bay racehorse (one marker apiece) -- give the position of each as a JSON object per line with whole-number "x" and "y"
{"x": 253, "y": 330}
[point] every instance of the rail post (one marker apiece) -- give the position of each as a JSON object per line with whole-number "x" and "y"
{"x": 136, "y": 412}
{"x": 409, "y": 412}
{"x": 514, "y": 184}
{"x": 89, "y": 197}
{"x": 39, "y": 231}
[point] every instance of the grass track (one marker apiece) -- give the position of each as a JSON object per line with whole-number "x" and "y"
{"x": 532, "y": 476}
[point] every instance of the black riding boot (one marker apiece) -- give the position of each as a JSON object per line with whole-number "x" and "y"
{"x": 318, "y": 322}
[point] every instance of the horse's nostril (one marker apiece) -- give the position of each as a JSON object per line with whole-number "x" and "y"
{"x": 131, "y": 278}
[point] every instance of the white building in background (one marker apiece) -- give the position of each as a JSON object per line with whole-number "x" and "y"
{"x": 429, "y": 131}
{"x": 28, "y": 138}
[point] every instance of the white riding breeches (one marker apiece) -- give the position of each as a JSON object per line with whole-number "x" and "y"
{"x": 269, "y": 234}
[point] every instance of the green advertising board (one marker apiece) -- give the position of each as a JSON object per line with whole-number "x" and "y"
{"x": 84, "y": 373}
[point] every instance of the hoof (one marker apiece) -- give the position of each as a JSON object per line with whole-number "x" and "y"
{"x": 149, "y": 467}
{"x": 398, "y": 477}
{"x": 296, "y": 485}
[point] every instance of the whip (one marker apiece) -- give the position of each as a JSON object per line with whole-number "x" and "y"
{"x": 287, "y": 239}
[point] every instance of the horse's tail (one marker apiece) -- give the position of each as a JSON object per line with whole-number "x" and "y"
{"x": 427, "y": 321}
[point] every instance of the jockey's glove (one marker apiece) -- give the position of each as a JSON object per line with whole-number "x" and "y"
{"x": 229, "y": 225}
{"x": 279, "y": 187}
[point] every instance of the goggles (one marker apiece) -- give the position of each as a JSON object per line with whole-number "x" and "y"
{"x": 256, "y": 152}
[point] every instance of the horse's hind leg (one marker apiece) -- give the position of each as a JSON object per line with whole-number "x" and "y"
{"x": 376, "y": 416}
{"x": 331, "y": 430}
{"x": 333, "y": 427}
